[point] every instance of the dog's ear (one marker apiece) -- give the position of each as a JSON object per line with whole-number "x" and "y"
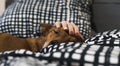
{"x": 45, "y": 27}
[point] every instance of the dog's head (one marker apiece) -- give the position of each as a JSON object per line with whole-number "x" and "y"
{"x": 60, "y": 35}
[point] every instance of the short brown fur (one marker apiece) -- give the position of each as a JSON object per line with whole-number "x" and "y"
{"x": 48, "y": 33}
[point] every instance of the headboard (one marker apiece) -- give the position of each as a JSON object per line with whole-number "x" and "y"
{"x": 106, "y": 14}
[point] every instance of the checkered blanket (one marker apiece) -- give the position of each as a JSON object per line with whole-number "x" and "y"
{"x": 103, "y": 49}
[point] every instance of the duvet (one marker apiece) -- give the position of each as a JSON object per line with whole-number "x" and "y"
{"x": 102, "y": 49}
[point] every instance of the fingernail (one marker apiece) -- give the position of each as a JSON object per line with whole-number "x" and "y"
{"x": 71, "y": 32}
{"x": 77, "y": 34}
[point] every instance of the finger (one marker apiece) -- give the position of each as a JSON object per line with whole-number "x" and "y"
{"x": 77, "y": 32}
{"x": 58, "y": 24}
{"x": 64, "y": 25}
{"x": 70, "y": 28}
{"x": 76, "y": 29}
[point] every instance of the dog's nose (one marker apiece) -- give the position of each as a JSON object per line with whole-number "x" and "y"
{"x": 54, "y": 42}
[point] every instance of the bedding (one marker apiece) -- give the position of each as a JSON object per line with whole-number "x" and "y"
{"x": 103, "y": 49}
{"x": 23, "y": 17}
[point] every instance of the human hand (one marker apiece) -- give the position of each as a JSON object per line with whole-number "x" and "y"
{"x": 71, "y": 27}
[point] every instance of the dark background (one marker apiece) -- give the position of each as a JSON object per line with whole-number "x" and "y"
{"x": 106, "y": 14}
{"x": 8, "y": 2}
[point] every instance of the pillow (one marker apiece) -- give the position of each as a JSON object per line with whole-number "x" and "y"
{"x": 23, "y": 17}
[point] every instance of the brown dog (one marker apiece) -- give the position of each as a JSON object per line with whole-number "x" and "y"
{"x": 49, "y": 33}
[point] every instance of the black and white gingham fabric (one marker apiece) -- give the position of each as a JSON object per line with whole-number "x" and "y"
{"x": 23, "y": 17}
{"x": 103, "y": 49}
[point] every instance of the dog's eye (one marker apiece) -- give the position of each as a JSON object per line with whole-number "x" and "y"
{"x": 56, "y": 32}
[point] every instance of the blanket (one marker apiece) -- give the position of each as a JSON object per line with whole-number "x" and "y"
{"x": 102, "y": 49}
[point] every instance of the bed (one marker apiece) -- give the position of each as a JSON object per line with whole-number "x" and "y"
{"x": 101, "y": 47}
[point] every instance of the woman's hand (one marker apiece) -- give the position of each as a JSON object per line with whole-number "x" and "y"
{"x": 71, "y": 27}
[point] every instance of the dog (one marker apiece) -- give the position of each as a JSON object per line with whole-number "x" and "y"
{"x": 48, "y": 32}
